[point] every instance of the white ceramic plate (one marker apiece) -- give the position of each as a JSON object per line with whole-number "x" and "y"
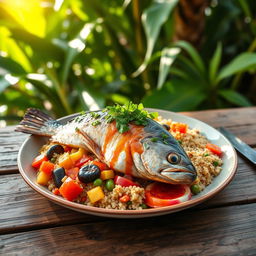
{"x": 31, "y": 146}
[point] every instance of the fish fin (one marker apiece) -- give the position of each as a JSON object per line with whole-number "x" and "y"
{"x": 91, "y": 145}
{"x": 37, "y": 122}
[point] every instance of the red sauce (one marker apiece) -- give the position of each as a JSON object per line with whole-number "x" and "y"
{"x": 128, "y": 142}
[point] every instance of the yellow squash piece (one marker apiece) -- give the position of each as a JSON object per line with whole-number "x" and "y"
{"x": 107, "y": 174}
{"x": 43, "y": 178}
{"x": 77, "y": 155}
{"x": 66, "y": 162}
{"x": 95, "y": 194}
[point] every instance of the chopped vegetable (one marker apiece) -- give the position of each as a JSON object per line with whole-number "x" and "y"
{"x": 77, "y": 155}
{"x": 58, "y": 175}
{"x": 89, "y": 173}
{"x": 214, "y": 149}
{"x": 144, "y": 206}
{"x": 95, "y": 194}
{"x": 83, "y": 161}
{"x": 38, "y": 160}
{"x": 46, "y": 167}
{"x": 215, "y": 163}
{"x": 66, "y": 162}
{"x": 72, "y": 173}
{"x": 195, "y": 189}
{"x": 179, "y": 127}
{"x": 124, "y": 182}
{"x": 97, "y": 182}
{"x": 161, "y": 194}
{"x": 110, "y": 185}
{"x": 124, "y": 199}
{"x": 42, "y": 178}
{"x": 101, "y": 165}
{"x": 107, "y": 174}
{"x": 70, "y": 189}
{"x": 56, "y": 191}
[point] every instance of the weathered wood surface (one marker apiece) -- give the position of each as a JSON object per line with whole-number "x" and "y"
{"x": 224, "y": 225}
{"x": 220, "y": 231}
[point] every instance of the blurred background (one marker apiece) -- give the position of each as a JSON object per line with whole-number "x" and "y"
{"x": 66, "y": 56}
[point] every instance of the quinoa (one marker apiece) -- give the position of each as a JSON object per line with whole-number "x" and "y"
{"x": 207, "y": 164}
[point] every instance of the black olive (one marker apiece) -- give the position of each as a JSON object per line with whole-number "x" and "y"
{"x": 166, "y": 126}
{"x": 89, "y": 173}
{"x": 58, "y": 175}
{"x": 54, "y": 149}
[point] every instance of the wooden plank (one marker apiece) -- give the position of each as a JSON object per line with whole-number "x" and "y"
{"x": 236, "y": 120}
{"x": 32, "y": 209}
{"x": 221, "y": 231}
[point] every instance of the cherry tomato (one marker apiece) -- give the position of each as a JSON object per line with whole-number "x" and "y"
{"x": 161, "y": 194}
{"x": 38, "y": 160}
{"x": 124, "y": 182}
{"x": 214, "y": 149}
{"x": 83, "y": 161}
{"x": 124, "y": 199}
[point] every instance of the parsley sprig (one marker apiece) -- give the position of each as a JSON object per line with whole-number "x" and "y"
{"x": 123, "y": 115}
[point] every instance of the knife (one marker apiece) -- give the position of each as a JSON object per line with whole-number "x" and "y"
{"x": 240, "y": 146}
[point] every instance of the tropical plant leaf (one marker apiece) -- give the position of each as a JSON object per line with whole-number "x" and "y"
{"x": 193, "y": 54}
{"x": 176, "y": 95}
{"x": 152, "y": 20}
{"x": 168, "y": 57}
{"x": 214, "y": 63}
{"x": 10, "y": 66}
{"x": 6, "y": 81}
{"x": 242, "y": 62}
{"x": 235, "y": 98}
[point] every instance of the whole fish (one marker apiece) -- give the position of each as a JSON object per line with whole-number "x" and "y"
{"x": 149, "y": 152}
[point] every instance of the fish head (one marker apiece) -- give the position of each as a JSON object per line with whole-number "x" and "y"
{"x": 166, "y": 161}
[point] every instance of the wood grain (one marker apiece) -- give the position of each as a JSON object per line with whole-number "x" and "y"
{"x": 32, "y": 209}
{"x": 221, "y": 231}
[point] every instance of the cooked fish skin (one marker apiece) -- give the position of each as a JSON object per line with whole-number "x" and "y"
{"x": 142, "y": 151}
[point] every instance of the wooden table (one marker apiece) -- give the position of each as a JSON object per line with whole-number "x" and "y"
{"x": 224, "y": 225}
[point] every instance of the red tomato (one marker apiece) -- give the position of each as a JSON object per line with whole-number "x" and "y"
{"x": 101, "y": 165}
{"x": 124, "y": 182}
{"x": 38, "y": 160}
{"x": 56, "y": 191}
{"x": 179, "y": 127}
{"x": 72, "y": 173}
{"x": 70, "y": 189}
{"x": 214, "y": 149}
{"x": 161, "y": 194}
{"x": 47, "y": 167}
{"x": 67, "y": 148}
{"x": 124, "y": 199}
{"x": 83, "y": 161}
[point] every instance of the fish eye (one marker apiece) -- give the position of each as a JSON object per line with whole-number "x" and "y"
{"x": 173, "y": 158}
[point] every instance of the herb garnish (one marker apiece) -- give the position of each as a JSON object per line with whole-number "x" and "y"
{"x": 95, "y": 123}
{"x": 127, "y": 113}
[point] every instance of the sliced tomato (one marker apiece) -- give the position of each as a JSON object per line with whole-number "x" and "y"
{"x": 214, "y": 149}
{"x": 124, "y": 182}
{"x": 161, "y": 194}
{"x": 101, "y": 165}
{"x": 124, "y": 199}
{"x": 72, "y": 173}
{"x": 38, "y": 160}
{"x": 70, "y": 189}
{"x": 179, "y": 127}
{"x": 83, "y": 161}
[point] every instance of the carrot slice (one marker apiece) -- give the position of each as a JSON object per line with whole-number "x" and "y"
{"x": 214, "y": 149}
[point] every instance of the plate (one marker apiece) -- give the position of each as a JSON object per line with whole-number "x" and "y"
{"x": 32, "y": 144}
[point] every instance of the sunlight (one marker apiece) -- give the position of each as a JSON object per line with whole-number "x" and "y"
{"x": 90, "y": 102}
{"x": 11, "y": 79}
{"x": 58, "y": 4}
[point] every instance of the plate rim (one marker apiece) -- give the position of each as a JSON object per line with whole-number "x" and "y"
{"x": 128, "y": 213}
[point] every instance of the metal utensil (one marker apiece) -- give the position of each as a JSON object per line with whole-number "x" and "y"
{"x": 242, "y": 147}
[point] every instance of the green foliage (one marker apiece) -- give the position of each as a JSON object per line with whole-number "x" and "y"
{"x": 83, "y": 55}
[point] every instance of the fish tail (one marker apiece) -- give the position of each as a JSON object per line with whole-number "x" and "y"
{"x": 37, "y": 122}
